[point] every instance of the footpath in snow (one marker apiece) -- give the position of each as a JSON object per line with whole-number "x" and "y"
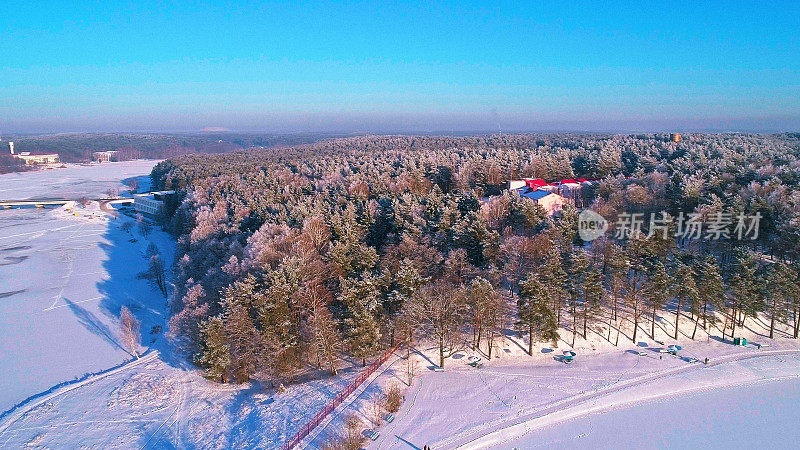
{"x": 506, "y": 405}
{"x": 759, "y": 414}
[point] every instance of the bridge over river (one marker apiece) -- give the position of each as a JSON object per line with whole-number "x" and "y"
{"x": 56, "y": 202}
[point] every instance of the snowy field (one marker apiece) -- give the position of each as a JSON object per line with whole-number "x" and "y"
{"x": 62, "y": 282}
{"x": 512, "y": 403}
{"x": 157, "y": 404}
{"x": 74, "y": 180}
{"x": 543, "y": 403}
{"x": 757, "y": 415}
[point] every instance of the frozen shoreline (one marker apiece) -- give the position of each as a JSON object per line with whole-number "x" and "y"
{"x": 65, "y": 275}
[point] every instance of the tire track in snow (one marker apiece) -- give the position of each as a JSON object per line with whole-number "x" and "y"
{"x": 472, "y": 438}
{"x": 9, "y": 417}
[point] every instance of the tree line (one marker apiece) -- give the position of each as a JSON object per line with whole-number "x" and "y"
{"x": 297, "y": 257}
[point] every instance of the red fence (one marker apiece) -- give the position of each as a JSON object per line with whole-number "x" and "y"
{"x": 336, "y": 401}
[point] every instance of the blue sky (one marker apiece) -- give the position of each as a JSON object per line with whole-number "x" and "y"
{"x": 442, "y": 66}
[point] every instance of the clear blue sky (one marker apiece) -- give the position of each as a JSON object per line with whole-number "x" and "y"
{"x": 523, "y": 65}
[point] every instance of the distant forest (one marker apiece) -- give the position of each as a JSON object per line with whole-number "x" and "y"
{"x": 79, "y": 147}
{"x": 299, "y": 257}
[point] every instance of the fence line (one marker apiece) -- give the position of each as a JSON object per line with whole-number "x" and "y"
{"x": 303, "y": 432}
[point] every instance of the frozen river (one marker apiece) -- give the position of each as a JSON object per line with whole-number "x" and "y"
{"x": 63, "y": 281}
{"x": 74, "y": 180}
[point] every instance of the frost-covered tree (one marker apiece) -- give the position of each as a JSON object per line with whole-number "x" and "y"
{"x": 486, "y": 312}
{"x": 215, "y": 357}
{"x": 323, "y": 329}
{"x": 710, "y": 291}
{"x": 438, "y": 311}
{"x": 362, "y": 329}
{"x": 129, "y": 331}
{"x": 410, "y": 211}
{"x": 535, "y": 311}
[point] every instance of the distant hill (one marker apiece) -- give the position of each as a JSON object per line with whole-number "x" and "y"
{"x": 79, "y": 147}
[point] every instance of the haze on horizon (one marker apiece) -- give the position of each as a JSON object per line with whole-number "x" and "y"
{"x": 451, "y": 66}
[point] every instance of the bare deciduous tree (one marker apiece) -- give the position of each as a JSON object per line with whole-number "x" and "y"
{"x": 156, "y": 272}
{"x": 439, "y": 311}
{"x": 129, "y": 331}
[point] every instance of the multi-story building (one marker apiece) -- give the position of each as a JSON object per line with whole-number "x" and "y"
{"x": 31, "y": 160}
{"x": 105, "y": 156}
{"x": 151, "y": 203}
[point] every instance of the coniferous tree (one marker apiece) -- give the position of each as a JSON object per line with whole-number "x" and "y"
{"x": 794, "y": 298}
{"x": 309, "y": 215}
{"x": 554, "y": 277}
{"x": 743, "y": 290}
{"x": 535, "y": 311}
{"x": 710, "y": 291}
{"x": 594, "y": 295}
{"x": 780, "y": 290}
{"x": 684, "y": 291}
{"x": 578, "y": 268}
{"x": 324, "y": 336}
{"x": 658, "y": 287}
{"x": 215, "y": 357}
{"x": 243, "y": 339}
{"x": 361, "y": 322}
{"x": 185, "y": 324}
{"x": 279, "y": 322}
{"x": 635, "y": 281}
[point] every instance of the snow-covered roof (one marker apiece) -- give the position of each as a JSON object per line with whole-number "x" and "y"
{"x": 533, "y": 194}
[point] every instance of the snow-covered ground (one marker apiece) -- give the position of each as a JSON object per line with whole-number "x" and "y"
{"x": 63, "y": 278}
{"x": 756, "y": 415}
{"x": 517, "y": 402}
{"x": 159, "y": 404}
{"x": 73, "y": 181}
{"x": 64, "y": 274}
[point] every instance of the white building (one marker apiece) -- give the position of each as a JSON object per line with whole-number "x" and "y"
{"x": 105, "y": 156}
{"x": 31, "y": 160}
{"x": 515, "y": 184}
{"x": 151, "y": 203}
